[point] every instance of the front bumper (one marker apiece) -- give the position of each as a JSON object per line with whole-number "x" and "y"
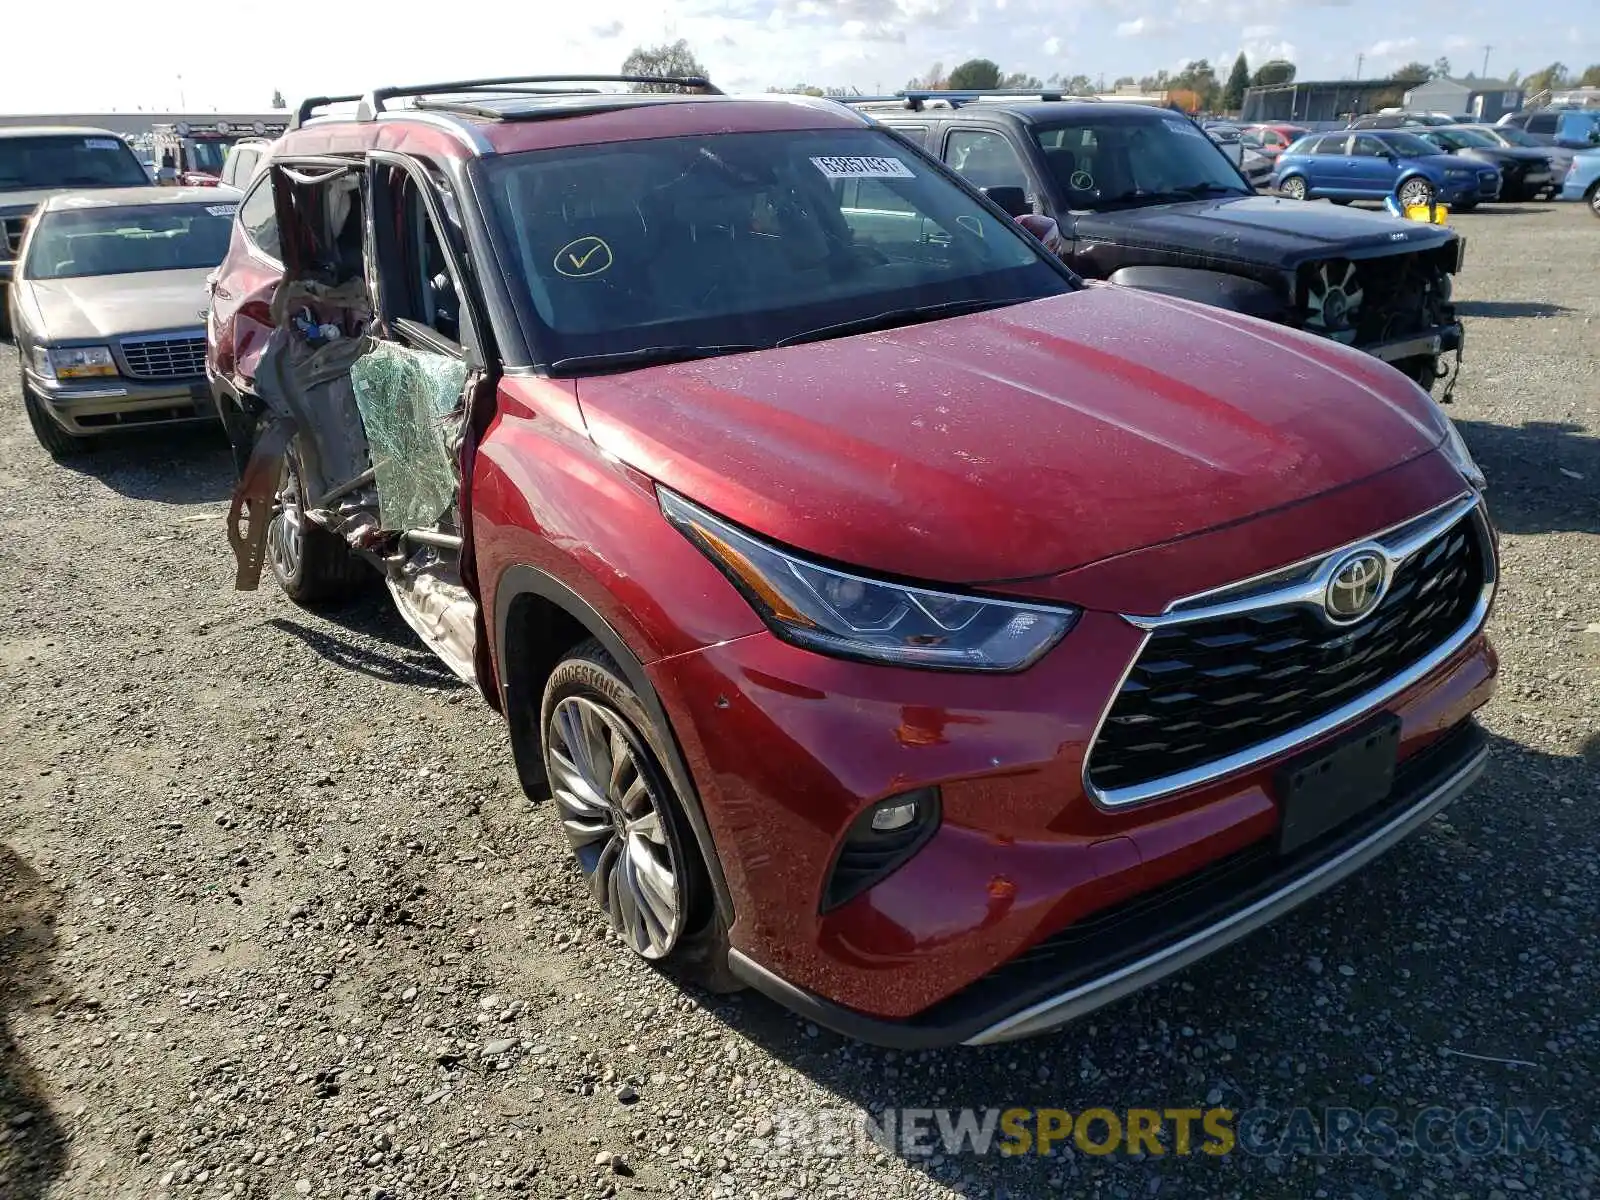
{"x": 995, "y": 915}
{"x": 88, "y": 407}
{"x": 1155, "y": 935}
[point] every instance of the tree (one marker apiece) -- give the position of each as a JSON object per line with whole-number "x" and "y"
{"x": 277, "y": 99}
{"x": 1412, "y": 72}
{"x": 1020, "y": 81}
{"x": 1159, "y": 82}
{"x": 1277, "y": 71}
{"x": 1199, "y": 77}
{"x": 1440, "y": 68}
{"x": 1553, "y": 76}
{"x": 675, "y": 60}
{"x": 975, "y": 75}
{"x": 1512, "y": 76}
{"x": 1590, "y": 76}
{"x": 1123, "y": 81}
{"x": 1238, "y": 80}
{"x": 931, "y": 80}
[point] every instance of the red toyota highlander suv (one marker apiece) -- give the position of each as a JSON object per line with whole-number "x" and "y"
{"x": 940, "y": 644}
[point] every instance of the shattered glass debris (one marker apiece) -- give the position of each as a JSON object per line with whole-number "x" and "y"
{"x": 409, "y": 402}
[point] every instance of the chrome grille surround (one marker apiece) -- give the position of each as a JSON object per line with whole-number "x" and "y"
{"x": 1301, "y": 587}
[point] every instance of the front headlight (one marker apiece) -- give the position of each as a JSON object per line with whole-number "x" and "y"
{"x": 82, "y": 362}
{"x": 1455, "y": 449}
{"x": 848, "y": 616}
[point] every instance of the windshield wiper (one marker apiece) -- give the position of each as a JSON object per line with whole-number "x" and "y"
{"x": 646, "y": 356}
{"x": 898, "y": 316}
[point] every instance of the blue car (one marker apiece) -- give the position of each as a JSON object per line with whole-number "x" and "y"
{"x": 1582, "y": 180}
{"x": 1370, "y": 164}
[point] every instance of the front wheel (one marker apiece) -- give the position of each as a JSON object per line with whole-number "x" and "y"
{"x": 1294, "y": 187}
{"x": 1593, "y": 197}
{"x": 624, "y": 821}
{"x": 1416, "y": 193}
{"x": 57, "y": 442}
{"x": 312, "y": 565}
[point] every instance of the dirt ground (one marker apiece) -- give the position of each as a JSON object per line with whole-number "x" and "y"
{"x": 275, "y": 919}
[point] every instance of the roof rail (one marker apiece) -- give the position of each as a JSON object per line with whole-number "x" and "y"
{"x": 310, "y": 104}
{"x": 915, "y": 98}
{"x": 374, "y": 101}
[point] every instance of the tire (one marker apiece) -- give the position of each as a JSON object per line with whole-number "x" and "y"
{"x": 1592, "y": 198}
{"x": 58, "y": 443}
{"x": 1294, "y": 187}
{"x": 625, "y": 823}
{"x": 315, "y": 568}
{"x": 1339, "y": 200}
{"x": 1415, "y": 191}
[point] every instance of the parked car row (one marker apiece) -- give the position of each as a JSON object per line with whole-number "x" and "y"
{"x": 903, "y": 620}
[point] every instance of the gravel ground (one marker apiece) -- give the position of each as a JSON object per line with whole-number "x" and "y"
{"x": 276, "y": 921}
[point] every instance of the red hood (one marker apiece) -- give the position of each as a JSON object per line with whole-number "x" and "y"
{"x": 1018, "y": 442}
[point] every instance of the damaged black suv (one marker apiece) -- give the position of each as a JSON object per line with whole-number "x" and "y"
{"x": 1144, "y": 198}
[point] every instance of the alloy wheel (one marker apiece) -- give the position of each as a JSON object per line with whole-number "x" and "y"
{"x": 1416, "y": 192}
{"x": 286, "y": 531}
{"x": 1294, "y": 187}
{"x": 614, "y": 820}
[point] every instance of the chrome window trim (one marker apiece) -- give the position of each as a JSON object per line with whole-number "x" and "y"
{"x": 1403, "y": 541}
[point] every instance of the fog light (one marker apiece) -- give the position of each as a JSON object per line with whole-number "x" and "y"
{"x": 890, "y": 817}
{"x": 881, "y": 840}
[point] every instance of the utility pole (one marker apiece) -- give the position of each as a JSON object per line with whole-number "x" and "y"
{"x": 1486, "y": 50}
{"x": 1360, "y": 58}
{"x": 183, "y": 104}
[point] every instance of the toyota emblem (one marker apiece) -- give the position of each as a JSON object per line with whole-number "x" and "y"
{"x": 1356, "y": 586}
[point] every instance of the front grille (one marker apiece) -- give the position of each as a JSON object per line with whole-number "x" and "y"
{"x": 165, "y": 358}
{"x": 1204, "y": 691}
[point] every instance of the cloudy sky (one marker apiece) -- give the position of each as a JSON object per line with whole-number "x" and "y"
{"x": 94, "y": 55}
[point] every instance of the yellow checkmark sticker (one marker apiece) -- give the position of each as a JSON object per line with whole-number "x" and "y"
{"x": 583, "y": 257}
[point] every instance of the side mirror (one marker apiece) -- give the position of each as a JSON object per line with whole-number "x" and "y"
{"x": 1046, "y": 230}
{"x": 1013, "y": 199}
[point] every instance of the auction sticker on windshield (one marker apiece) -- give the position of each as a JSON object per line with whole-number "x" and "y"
{"x": 100, "y": 143}
{"x": 863, "y": 168}
{"x": 1180, "y": 126}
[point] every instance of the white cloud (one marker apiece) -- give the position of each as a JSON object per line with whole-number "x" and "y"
{"x": 1392, "y": 47}
{"x": 1145, "y": 27}
{"x": 1052, "y": 46}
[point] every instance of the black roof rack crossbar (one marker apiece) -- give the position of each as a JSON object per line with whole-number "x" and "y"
{"x": 915, "y": 98}
{"x": 373, "y": 102}
{"x": 310, "y": 104}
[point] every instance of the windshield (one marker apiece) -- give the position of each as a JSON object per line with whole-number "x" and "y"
{"x": 1511, "y": 135}
{"x": 1468, "y": 137}
{"x": 719, "y": 242}
{"x": 1409, "y": 145}
{"x": 1124, "y": 160}
{"x": 67, "y": 244}
{"x": 207, "y": 156}
{"x": 65, "y": 161}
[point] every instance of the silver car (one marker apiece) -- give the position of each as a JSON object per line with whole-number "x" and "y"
{"x": 108, "y": 309}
